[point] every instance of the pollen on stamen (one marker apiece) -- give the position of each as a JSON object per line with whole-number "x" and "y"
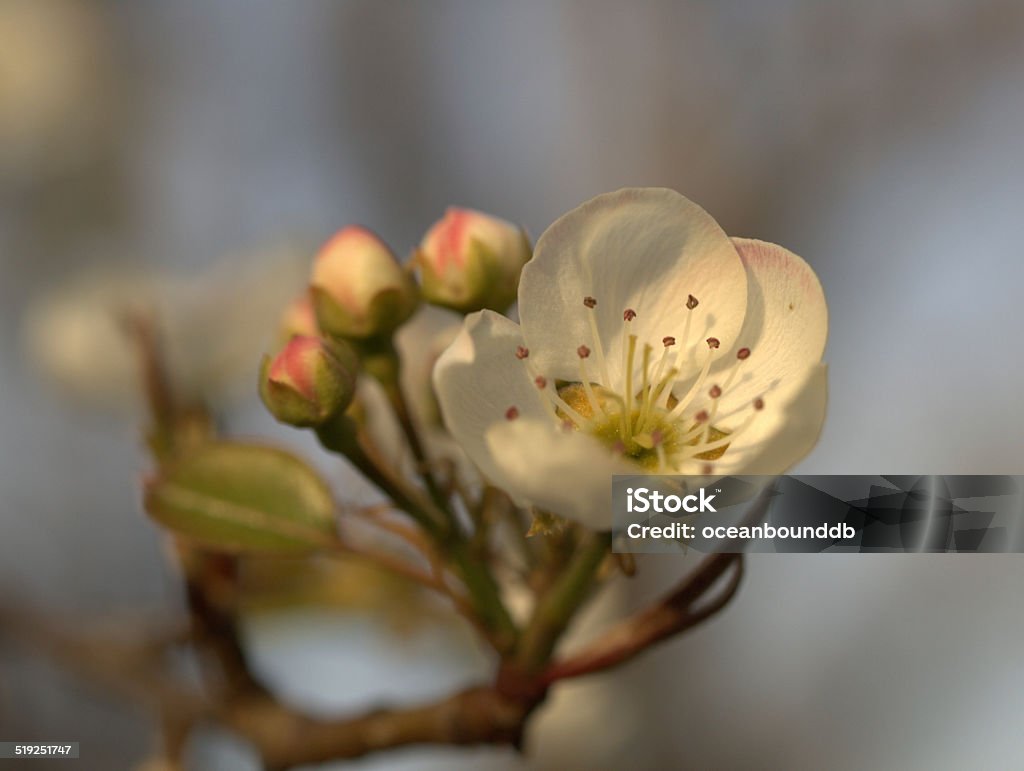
{"x": 522, "y": 352}
{"x": 713, "y": 342}
{"x": 701, "y": 417}
{"x": 512, "y": 413}
{"x": 758, "y": 403}
{"x": 541, "y": 382}
{"x": 629, "y": 314}
{"x": 715, "y": 392}
{"x": 668, "y": 341}
{"x": 590, "y": 302}
{"x": 583, "y": 352}
{"x": 692, "y": 302}
{"x": 743, "y": 353}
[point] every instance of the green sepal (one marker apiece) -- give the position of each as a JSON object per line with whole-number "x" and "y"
{"x": 244, "y": 498}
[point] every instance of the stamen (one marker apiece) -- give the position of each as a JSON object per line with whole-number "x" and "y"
{"x": 691, "y": 302}
{"x": 629, "y": 314}
{"x": 697, "y": 386}
{"x": 715, "y": 392}
{"x": 628, "y": 400}
{"x": 522, "y": 352}
{"x": 558, "y": 403}
{"x": 713, "y": 342}
{"x": 758, "y": 404}
{"x": 691, "y": 451}
{"x": 512, "y": 413}
{"x": 602, "y": 363}
{"x": 644, "y": 387}
{"x": 741, "y": 355}
{"x": 595, "y": 406}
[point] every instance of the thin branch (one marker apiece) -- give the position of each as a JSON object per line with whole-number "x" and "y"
{"x": 680, "y": 610}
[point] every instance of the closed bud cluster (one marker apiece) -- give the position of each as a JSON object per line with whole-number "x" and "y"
{"x": 358, "y": 288}
{"x": 469, "y": 261}
{"x": 310, "y": 381}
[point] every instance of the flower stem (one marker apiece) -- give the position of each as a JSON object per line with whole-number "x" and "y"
{"x": 340, "y": 435}
{"x": 381, "y": 360}
{"x": 557, "y": 607}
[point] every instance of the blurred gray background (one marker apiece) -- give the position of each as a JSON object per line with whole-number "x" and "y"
{"x": 195, "y": 152}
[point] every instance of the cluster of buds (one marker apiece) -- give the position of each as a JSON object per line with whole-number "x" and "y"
{"x": 359, "y": 294}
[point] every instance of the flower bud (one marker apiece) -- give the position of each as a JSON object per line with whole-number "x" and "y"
{"x": 358, "y": 288}
{"x": 298, "y": 319}
{"x": 310, "y": 381}
{"x": 469, "y": 261}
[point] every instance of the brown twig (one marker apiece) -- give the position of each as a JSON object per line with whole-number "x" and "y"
{"x": 680, "y": 610}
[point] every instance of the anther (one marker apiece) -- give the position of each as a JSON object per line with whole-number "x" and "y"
{"x": 713, "y": 342}
{"x": 512, "y": 413}
{"x": 629, "y": 314}
{"x": 568, "y": 425}
{"x": 707, "y": 468}
{"x": 691, "y": 302}
{"x": 657, "y": 437}
{"x": 758, "y": 403}
{"x": 590, "y": 302}
{"x": 701, "y": 416}
{"x": 742, "y": 353}
{"x": 540, "y": 381}
{"x": 583, "y": 352}
{"x": 715, "y": 391}
{"x": 522, "y": 352}
{"x": 668, "y": 342}
{"x": 619, "y": 448}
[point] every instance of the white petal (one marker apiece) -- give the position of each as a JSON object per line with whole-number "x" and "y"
{"x": 785, "y": 327}
{"x": 564, "y": 472}
{"x": 641, "y": 248}
{"x": 785, "y": 431}
{"x": 478, "y": 378}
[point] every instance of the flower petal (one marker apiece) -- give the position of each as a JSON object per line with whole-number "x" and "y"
{"x": 564, "y": 472}
{"x": 785, "y": 328}
{"x": 478, "y": 378}
{"x": 646, "y": 249}
{"x": 785, "y": 431}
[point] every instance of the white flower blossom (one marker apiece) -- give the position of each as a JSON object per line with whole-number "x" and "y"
{"x": 648, "y": 342}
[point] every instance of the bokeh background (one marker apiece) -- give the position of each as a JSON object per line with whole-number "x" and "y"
{"x": 190, "y": 155}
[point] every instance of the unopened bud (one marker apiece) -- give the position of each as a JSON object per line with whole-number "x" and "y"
{"x": 298, "y": 319}
{"x": 358, "y": 288}
{"x": 469, "y": 261}
{"x": 310, "y": 381}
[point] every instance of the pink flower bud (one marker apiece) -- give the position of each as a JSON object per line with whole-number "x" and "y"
{"x": 358, "y": 288}
{"x": 469, "y": 260}
{"x": 298, "y": 319}
{"x": 309, "y": 381}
